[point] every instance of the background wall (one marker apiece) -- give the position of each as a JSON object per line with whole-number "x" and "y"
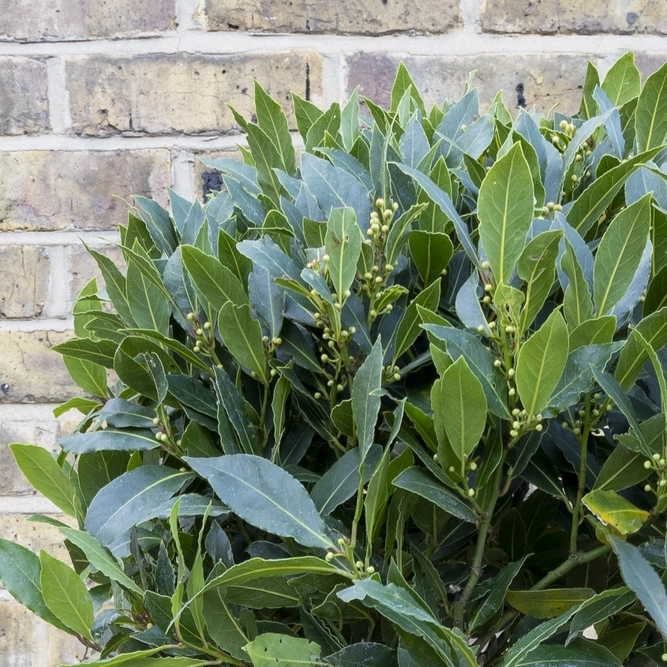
{"x": 102, "y": 99}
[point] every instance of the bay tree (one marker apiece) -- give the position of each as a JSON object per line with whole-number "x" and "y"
{"x": 396, "y": 400}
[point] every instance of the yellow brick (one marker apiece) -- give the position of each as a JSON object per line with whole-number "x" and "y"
{"x": 547, "y": 80}
{"x": 48, "y": 190}
{"x": 366, "y": 17}
{"x": 12, "y": 481}
{"x": 582, "y": 16}
{"x": 35, "y": 535}
{"x": 28, "y": 641}
{"x": 33, "y": 372}
{"x": 166, "y": 94}
{"x": 37, "y": 20}
{"x": 24, "y": 281}
{"x": 24, "y": 107}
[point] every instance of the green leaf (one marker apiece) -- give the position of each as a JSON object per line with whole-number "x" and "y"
{"x": 265, "y": 496}
{"x": 223, "y": 624}
{"x": 119, "y": 413}
{"x": 365, "y": 399}
{"x": 463, "y": 408}
{"x": 266, "y": 155}
{"x": 548, "y": 603}
{"x": 577, "y": 301}
{"x": 621, "y": 470}
{"x": 233, "y": 403}
{"x": 633, "y": 355}
{"x": 421, "y": 483}
{"x": 537, "y": 266}
{"x": 274, "y": 650}
{"x": 99, "y": 558}
{"x": 656, "y": 294}
{"x": 137, "y": 659}
{"x": 258, "y": 568}
{"x": 340, "y": 482}
{"x": 594, "y": 200}
{"x": 496, "y": 598}
{"x": 215, "y": 284}
{"x": 349, "y": 121}
{"x": 365, "y": 654}
{"x": 567, "y": 656}
{"x": 542, "y": 359}
{"x": 115, "y": 284}
{"x": 272, "y": 120}
{"x": 505, "y": 210}
{"x": 588, "y": 107}
{"x": 531, "y": 640}
{"x": 242, "y": 334}
{"x": 480, "y": 362}
{"x": 431, "y": 252}
{"x": 98, "y": 351}
{"x": 66, "y": 595}
{"x": 402, "y": 607}
{"x": 643, "y": 580}
{"x": 598, "y": 331}
{"x": 108, "y": 439}
{"x": 622, "y": 82}
{"x": 651, "y": 113}
{"x": 612, "y": 509}
{"x": 619, "y": 254}
{"x": 92, "y": 378}
{"x": 402, "y": 83}
{"x": 599, "y": 608}
{"x": 20, "y": 574}
{"x": 125, "y": 501}
{"x": 148, "y": 305}
{"x": 408, "y": 329}
{"x": 45, "y": 475}
{"x": 343, "y": 245}
{"x": 306, "y": 113}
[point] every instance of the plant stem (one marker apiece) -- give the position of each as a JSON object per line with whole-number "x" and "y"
{"x": 574, "y": 560}
{"x": 581, "y": 488}
{"x": 359, "y": 508}
{"x": 487, "y": 515}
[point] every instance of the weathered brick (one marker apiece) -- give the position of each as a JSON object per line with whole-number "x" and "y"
{"x": 24, "y": 108}
{"x": 82, "y": 266}
{"x": 546, "y": 80}
{"x": 12, "y": 481}
{"x": 647, "y": 63}
{"x": 164, "y": 94}
{"x": 28, "y": 641}
{"x": 42, "y": 20}
{"x": 35, "y": 535}
{"x": 364, "y": 17}
{"x": 559, "y": 16}
{"x": 24, "y": 281}
{"x": 33, "y": 372}
{"x": 48, "y": 190}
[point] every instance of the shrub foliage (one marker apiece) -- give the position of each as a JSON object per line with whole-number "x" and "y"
{"x": 397, "y": 401}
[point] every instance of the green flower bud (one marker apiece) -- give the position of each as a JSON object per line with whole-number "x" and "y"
{"x": 352, "y": 330}
{"x": 497, "y": 363}
{"x": 473, "y": 465}
{"x": 329, "y": 557}
{"x": 514, "y": 433}
{"x": 656, "y": 457}
{"x": 339, "y": 387}
{"x": 379, "y": 202}
{"x": 647, "y": 488}
{"x": 348, "y": 293}
{"x": 156, "y": 421}
{"x": 397, "y": 376}
{"x": 486, "y": 265}
{"x": 488, "y": 287}
{"x": 512, "y": 392}
{"x": 370, "y": 569}
{"x": 539, "y": 427}
{"x": 451, "y": 469}
{"x": 317, "y": 395}
{"x": 471, "y": 492}
{"x": 273, "y": 372}
{"x": 662, "y": 483}
{"x": 191, "y": 317}
{"x": 326, "y": 258}
{"x": 648, "y": 464}
{"x": 510, "y": 372}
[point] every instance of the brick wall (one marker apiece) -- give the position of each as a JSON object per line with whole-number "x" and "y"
{"x": 102, "y": 99}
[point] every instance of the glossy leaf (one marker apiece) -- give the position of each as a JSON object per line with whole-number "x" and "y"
{"x": 125, "y": 501}
{"x": 242, "y": 334}
{"x": 66, "y": 595}
{"x": 541, "y": 363}
{"x": 644, "y": 581}
{"x": 365, "y": 401}
{"x": 651, "y": 113}
{"x": 463, "y": 408}
{"x": 264, "y": 495}
{"x": 612, "y": 509}
{"x": 45, "y": 475}
{"x": 271, "y": 649}
{"x": 343, "y": 245}
{"x": 506, "y": 212}
{"x": 619, "y": 254}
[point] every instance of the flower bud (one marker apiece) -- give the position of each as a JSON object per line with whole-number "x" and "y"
{"x": 451, "y": 469}
{"x": 397, "y": 376}
{"x": 317, "y": 395}
{"x": 512, "y": 392}
{"x": 273, "y": 372}
{"x": 473, "y": 465}
{"x": 379, "y": 202}
{"x": 339, "y": 388}
{"x": 486, "y": 265}
{"x": 348, "y": 293}
{"x": 647, "y": 488}
{"x": 156, "y": 421}
{"x": 656, "y": 457}
{"x": 471, "y": 492}
{"x": 370, "y": 569}
{"x": 326, "y": 258}
{"x": 514, "y": 433}
{"x": 488, "y": 287}
{"x": 539, "y": 427}
{"x": 191, "y": 317}
{"x": 497, "y": 363}
{"x": 647, "y": 464}
{"x": 329, "y": 557}
{"x": 352, "y": 330}
{"x": 359, "y": 564}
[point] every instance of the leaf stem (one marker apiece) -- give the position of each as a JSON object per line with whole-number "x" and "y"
{"x": 581, "y": 487}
